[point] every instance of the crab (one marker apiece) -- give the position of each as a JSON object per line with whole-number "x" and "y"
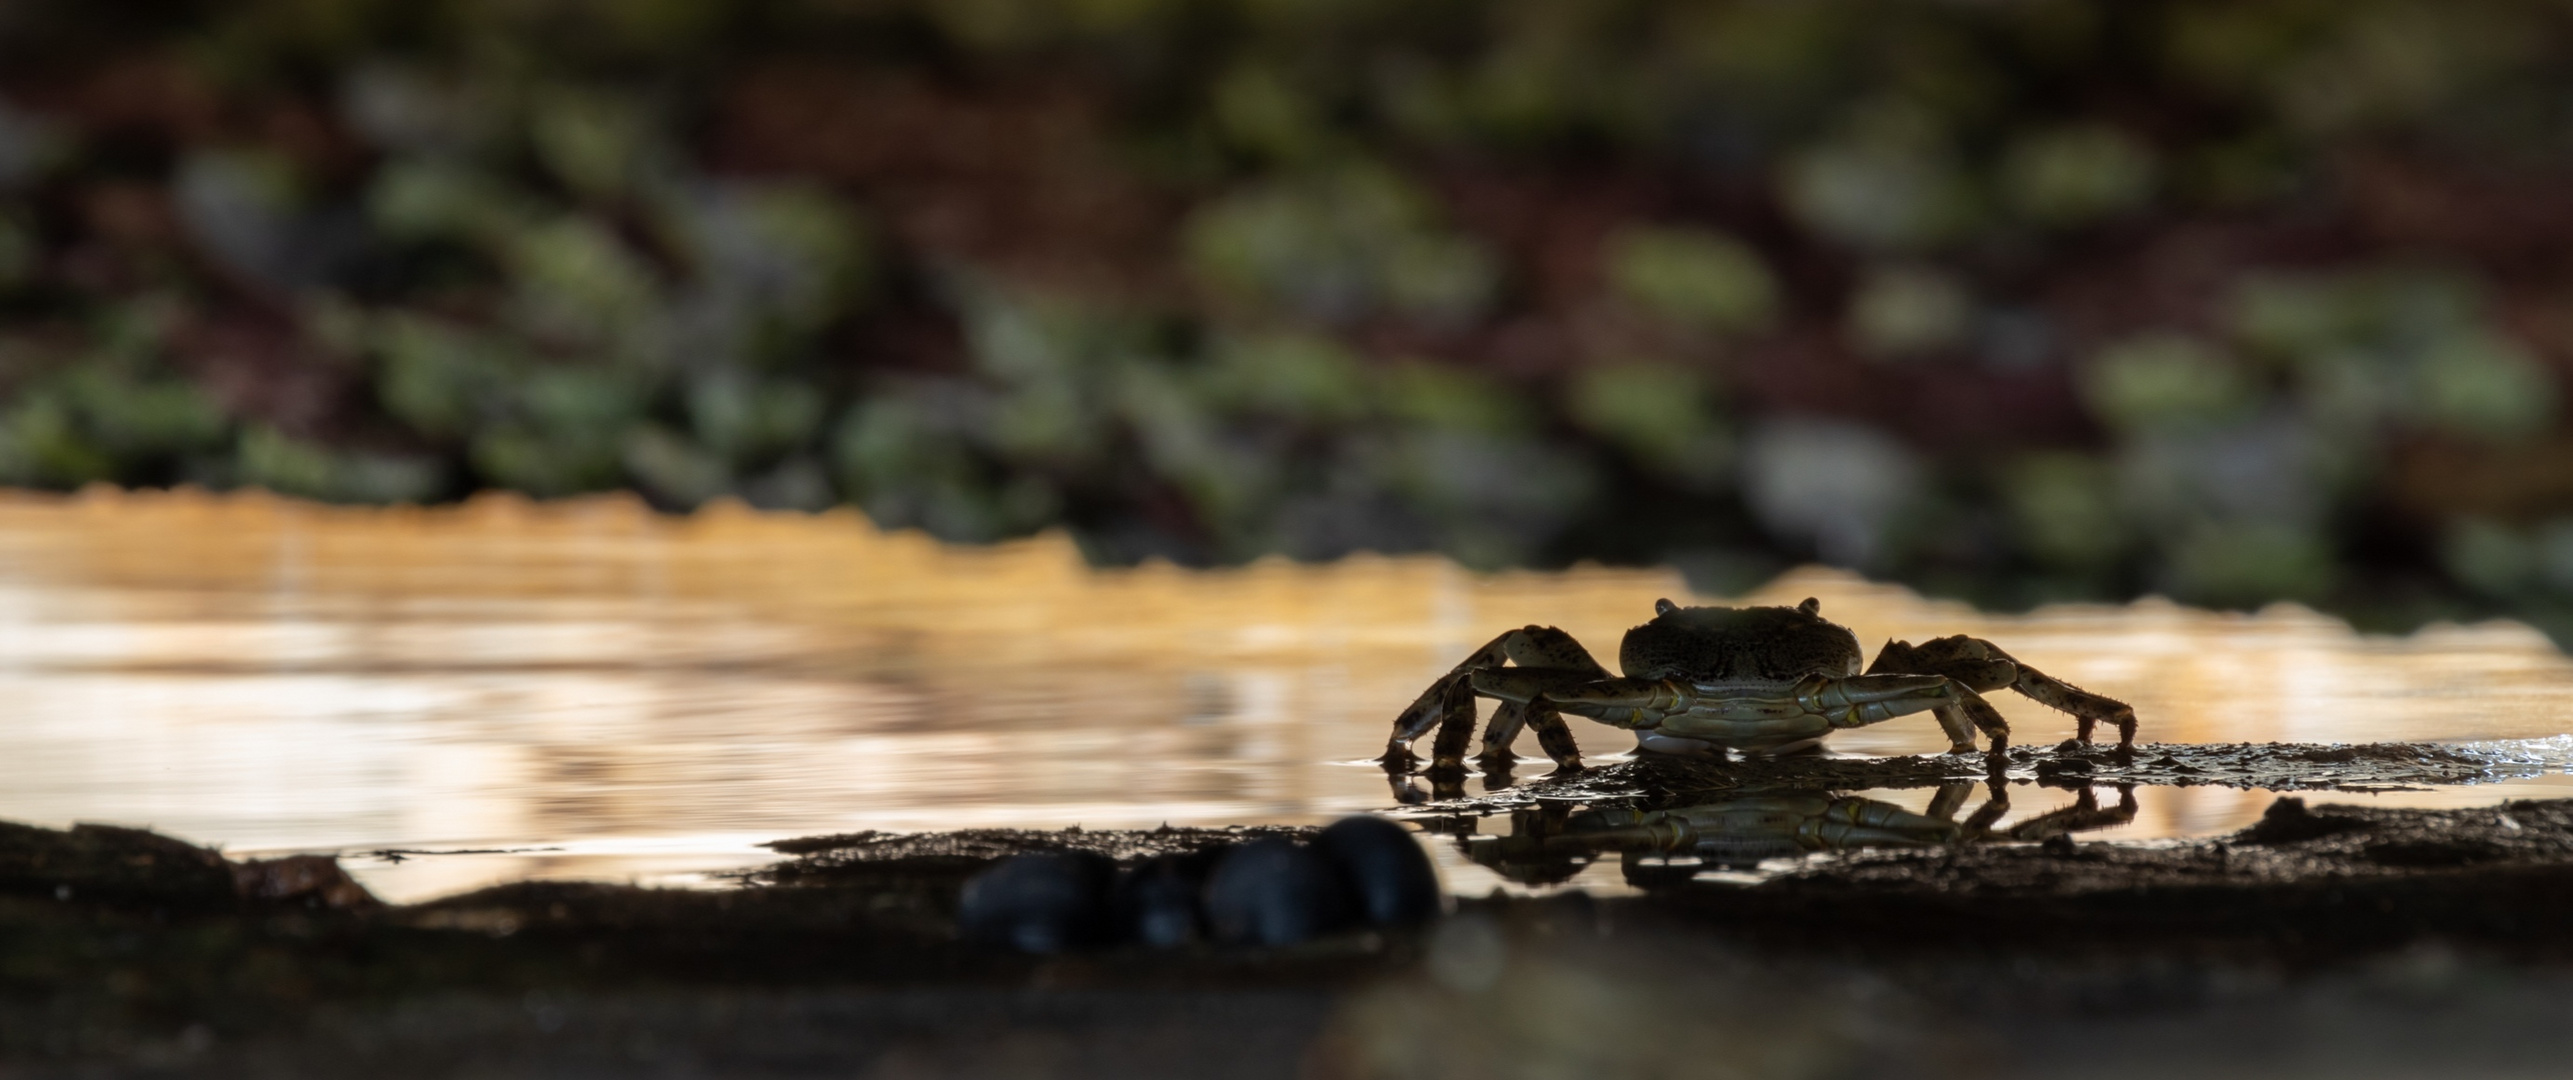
{"x": 1707, "y": 680}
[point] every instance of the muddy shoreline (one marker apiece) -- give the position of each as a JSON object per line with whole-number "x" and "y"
{"x": 1659, "y": 779}
{"x": 127, "y": 953}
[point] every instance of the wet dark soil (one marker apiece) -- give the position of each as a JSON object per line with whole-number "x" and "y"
{"x": 2272, "y": 766}
{"x": 127, "y": 953}
{"x": 2305, "y": 885}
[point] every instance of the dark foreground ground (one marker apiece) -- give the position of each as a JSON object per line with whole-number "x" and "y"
{"x": 2323, "y": 940}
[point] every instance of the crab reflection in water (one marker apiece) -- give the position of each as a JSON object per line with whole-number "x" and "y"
{"x": 1550, "y": 843}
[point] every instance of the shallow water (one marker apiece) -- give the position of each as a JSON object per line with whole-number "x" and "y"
{"x": 611, "y": 694}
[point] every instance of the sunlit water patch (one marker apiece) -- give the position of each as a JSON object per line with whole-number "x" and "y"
{"x": 596, "y": 691}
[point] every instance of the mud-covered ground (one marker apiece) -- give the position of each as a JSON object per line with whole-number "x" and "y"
{"x": 2270, "y": 766}
{"x": 2324, "y": 939}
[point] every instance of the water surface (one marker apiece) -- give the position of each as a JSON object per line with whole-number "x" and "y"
{"x": 643, "y": 697}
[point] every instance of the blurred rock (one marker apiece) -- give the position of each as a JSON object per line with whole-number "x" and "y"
{"x": 1159, "y": 900}
{"x": 1391, "y": 876}
{"x": 1041, "y": 903}
{"x": 1276, "y": 892}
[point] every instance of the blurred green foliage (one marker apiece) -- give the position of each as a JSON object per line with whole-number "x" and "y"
{"x": 2236, "y": 301}
{"x": 1903, "y": 310}
{"x": 1337, "y": 248}
{"x": 1693, "y": 278}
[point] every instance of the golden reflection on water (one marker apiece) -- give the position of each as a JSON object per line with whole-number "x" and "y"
{"x": 650, "y": 696}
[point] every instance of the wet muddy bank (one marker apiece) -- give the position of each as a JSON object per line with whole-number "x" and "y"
{"x": 127, "y": 953}
{"x": 1661, "y": 779}
{"x": 2305, "y": 885}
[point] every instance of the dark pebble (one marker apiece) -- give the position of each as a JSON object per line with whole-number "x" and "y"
{"x": 1157, "y": 901}
{"x": 1390, "y": 875}
{"x": 1275, "y": 892}
{"x": 1041, "y": 903}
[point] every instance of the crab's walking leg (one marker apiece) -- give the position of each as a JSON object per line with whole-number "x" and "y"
{"x": 1982, "y": 665}
{"x": 2087, "y": 708}
{"x": 1969, "y": 673}
{"x": 1448, "y": 704}
{"x": 1530, "y": 697}
{"x": 1973, "y": 709}
{"x": 1505, "y": 725}
{"x": 1554, "y": 736}
{"x": 1455, "y": 727}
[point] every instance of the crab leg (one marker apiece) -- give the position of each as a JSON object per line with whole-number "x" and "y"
{"x": 2085, "y": 814}
{"x": 1553, "y": 735}
{"x": 1448, "y": 704}
{"x": 1980, "y": 665}
{"x": 1505, "y": 725}
{"x": 1859, "y": 823}
{"x": 1456, "y": 726}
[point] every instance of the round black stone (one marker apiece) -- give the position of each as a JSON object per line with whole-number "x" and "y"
{"x": 1157, "y": 901}
{"x": 1390, "y": 875}
{"x": 1275, "y": 891}
{"x": 1040, "y": 903}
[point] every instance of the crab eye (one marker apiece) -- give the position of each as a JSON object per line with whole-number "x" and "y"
{"x": 1664, "y": 607}
{"x": 1811, "y": 606}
